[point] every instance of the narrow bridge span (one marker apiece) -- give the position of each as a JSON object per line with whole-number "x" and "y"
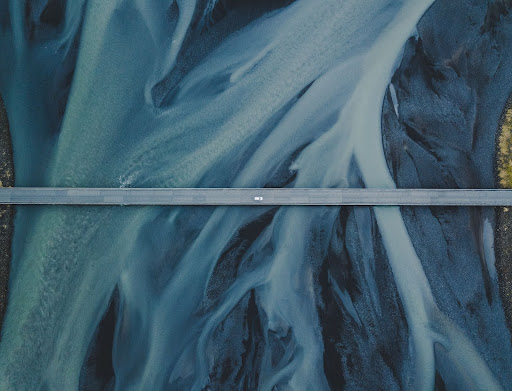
{"x": 253, "y": 196}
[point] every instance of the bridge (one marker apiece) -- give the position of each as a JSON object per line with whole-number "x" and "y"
{"x": 253, "y": 196}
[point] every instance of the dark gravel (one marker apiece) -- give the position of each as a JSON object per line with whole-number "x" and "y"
{"x": 6, "y": 211}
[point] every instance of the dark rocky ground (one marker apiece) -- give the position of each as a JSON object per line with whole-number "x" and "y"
{"x": 6, "y": 211}
{"x": 451, "y": 90}
{"x": 504, "y": 258}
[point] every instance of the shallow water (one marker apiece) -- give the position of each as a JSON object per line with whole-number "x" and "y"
{"x": 248, "y": 94}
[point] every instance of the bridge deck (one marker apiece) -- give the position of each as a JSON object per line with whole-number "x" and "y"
{"x": 253, "y": 196}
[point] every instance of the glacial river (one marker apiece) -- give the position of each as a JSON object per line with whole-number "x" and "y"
{"x": 207, "y": 93}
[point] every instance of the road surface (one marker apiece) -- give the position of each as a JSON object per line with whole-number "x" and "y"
{"x": 231, "y": 196}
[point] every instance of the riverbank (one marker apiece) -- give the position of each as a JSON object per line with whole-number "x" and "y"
{"x": 6, "y": 211}
{"x": 503, "y": 236}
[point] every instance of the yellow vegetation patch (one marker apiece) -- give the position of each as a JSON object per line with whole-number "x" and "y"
{"x": 505, "y": 150}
